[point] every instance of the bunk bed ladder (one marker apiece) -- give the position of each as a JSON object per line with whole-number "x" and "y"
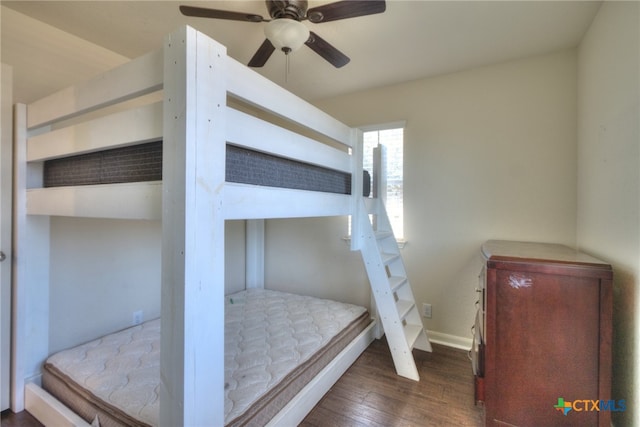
{"x": 391, "y": 288}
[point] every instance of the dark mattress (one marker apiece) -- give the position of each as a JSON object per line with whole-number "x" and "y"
{"x": 144, "y": 163}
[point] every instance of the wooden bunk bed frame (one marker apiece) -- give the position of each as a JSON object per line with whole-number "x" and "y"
{"x": 208, "y": 100}
{"x": 193, "y": 200}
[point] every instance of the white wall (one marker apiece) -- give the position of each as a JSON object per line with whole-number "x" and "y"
{"x": 490, "y": 153}
{"x": 101, "y": 271}
{"x": 309, "y": 256}
{"x": 104, "y": 270}
{"x": 608, "y": 220}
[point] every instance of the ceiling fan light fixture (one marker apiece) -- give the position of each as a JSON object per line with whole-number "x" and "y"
{"x": 286, "y": 34}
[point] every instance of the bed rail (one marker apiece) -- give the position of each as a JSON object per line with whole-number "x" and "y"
{"x": 119, "y": 108}
{"x": 255, "y": 89}
{"x": 114, "y": 110}
{"x": 128, "y": 81}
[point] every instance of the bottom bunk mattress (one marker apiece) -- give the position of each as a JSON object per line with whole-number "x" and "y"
{"x": 275, "y": 343}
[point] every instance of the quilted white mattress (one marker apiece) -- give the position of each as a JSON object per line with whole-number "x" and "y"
{"x": 268, "y": 335}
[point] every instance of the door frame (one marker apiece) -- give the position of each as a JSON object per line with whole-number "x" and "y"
{"x": 6, "y": 225}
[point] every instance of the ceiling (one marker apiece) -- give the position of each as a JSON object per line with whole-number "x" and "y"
{"x": 411, "y": 40}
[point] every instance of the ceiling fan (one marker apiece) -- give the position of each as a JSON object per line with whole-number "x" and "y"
{"x": 285, "y": 30}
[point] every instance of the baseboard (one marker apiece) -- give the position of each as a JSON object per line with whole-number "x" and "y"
{"x": 450, "y": 340}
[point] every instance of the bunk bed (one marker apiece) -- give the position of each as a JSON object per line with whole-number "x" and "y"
{"x": 215, "y": 117}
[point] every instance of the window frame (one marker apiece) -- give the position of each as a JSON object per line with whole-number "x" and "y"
{"x": 389, "y": 126}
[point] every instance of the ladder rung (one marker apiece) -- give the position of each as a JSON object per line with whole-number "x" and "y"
{"x": 371, "y": 206}
{"x": 387, "y": 258}
{"x": 396, "y": 282}
{"x": 412, "y": 332}
{"x": 381, "y": 235}
{"x": 404, "y": 307}
{"x": 399, "y": 314}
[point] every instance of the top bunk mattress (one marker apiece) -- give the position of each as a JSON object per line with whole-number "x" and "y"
{"x": 143, "y": 162}
{"x": 275, "y": 343}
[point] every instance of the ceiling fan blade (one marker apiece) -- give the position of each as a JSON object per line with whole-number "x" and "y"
{"x": 202, "y": 12}
{"x": 345, "y": 9}
{"x": 262, "y": 54}
{"x": 326, "y": 50}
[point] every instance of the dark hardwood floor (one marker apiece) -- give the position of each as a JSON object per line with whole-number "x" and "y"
{"x": 371, "y": 394}
{"x": 22, "y": 419}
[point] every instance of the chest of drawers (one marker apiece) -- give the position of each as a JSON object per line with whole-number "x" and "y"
{"x": 546, "y": 321}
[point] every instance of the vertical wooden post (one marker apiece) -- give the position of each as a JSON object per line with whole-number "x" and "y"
{"x": 31, "y": 244}
{"x": 192, "y": 342}
{"x": 356, "y": 189}
{"x": 379, "y": 189}
{"x": 379, "y": 194}
{"x": 254, "y": 265}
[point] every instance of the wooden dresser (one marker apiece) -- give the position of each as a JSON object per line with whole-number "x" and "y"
{"x": 544, "y": 333}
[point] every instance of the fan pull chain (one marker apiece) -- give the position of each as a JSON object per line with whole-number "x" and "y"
{"x": 287, "y": 69}
{"x": 286, "y": 51}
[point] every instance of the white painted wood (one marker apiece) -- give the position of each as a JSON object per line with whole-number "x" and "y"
{"x": 251, "y": 132}
{"x": 414, "y": 331}
{"x": 392, "y": 292}
{"x": 450, "y": 340}
{"x": 193, "y": 201}
{"x": 130, "y": 80}
{"x": 30, "y": 275}
{"x": 254, "y": 202}
{"x": 371, "y": 205}
{"x": 138, "y": 125}
{"x": 142, "y": 200}
{"x": 137, "y": 200}
{"x": 310, "y": 395}
{"x": 356, "y": 186}
{"x": 6, "y": 221}
{"x": 379, "y": 187}
{"x": 385, "y": 303}
{"x": 254, "y": 262}
{"x": 251, "y": 87}
{"x": 48, "y": 410}
{"x": 192, "y": 363}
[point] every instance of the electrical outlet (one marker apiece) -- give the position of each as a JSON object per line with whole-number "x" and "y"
{"x": 426, "y": 310}
{"x": 137, "y": 317}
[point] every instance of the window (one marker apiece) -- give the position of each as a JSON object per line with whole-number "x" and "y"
{"x": 392, "y": 137}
